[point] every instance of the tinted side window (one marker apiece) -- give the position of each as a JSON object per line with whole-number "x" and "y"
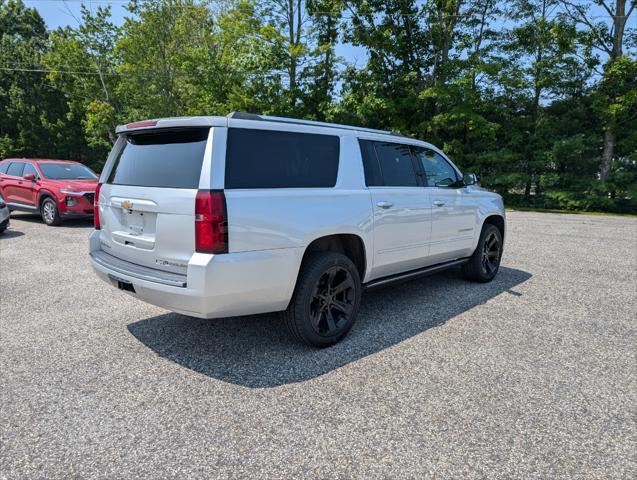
{"x": 28, "y": 168}
{"x": 396, "y": 164}
{"x": 15, "y": 169}
{"x": 275, "y": 159}
{"x": 161, "y": 158}
{"x": 438, "y": 171}
{"x": 4, "y": 166}
{"x": 373, "y": 175}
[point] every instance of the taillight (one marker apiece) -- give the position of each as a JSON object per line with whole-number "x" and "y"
{"x": 211, "y": 222}
{"x": 96, "y": 207}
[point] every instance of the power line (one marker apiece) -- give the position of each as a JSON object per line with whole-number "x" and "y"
{"x": 42, "y": 70}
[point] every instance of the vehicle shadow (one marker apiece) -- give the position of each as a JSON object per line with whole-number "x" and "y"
{"x": 83, "y": 222}
{"x": 256, "y": 351}
{"x": 10, "y": 233}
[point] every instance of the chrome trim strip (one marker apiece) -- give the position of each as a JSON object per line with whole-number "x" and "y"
{"x": 21, "y": 205}
{"x": 123, "y": 267}
{"x": 68, "y": 192}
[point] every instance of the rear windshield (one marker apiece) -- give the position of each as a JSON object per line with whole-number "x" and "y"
{"x": 66, "y": 171}
{"x": 169, "y": 159}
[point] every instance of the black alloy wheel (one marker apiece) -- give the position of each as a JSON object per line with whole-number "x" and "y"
{"x": 491, "y": 254}
{"x": 484, "y": 264}
{"x": 325, "y": 301}
{"x": 332, "y": 302}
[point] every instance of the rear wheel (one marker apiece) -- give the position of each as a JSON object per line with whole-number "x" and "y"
{"x": 485, "y": 261}
{"x": 325, "y": 301}
{"x": 50, "y": 213}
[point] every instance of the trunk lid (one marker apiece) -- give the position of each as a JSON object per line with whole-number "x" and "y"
{"x": 147, "y": 203}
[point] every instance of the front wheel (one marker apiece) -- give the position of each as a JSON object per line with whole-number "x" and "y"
{"x": 325, "y": 301}
{"x": 50, "y": 213}
{"x": 485, "y": 261}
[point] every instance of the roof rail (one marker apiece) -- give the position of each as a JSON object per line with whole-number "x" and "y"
{"x": 269, "y": 118}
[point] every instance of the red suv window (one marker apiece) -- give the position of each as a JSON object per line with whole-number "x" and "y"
{"x": 15, "y": 169}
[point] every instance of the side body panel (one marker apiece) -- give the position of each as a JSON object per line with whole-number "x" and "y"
{"x": 453, "y": 225}
{"x": 11, "y": 188}
{"x": 402, "y": 227}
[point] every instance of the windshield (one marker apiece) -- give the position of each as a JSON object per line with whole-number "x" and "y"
{"x": 67, "y": 171}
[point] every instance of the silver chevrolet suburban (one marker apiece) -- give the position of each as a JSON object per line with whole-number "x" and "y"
{"x": 223, "y": 216}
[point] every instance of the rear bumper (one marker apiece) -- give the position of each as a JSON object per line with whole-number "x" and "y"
{"x": 215, "y": 285}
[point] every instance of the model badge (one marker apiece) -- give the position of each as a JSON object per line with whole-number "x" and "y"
{"x": 127, "y": 204}
{"x": 167, "y": 263}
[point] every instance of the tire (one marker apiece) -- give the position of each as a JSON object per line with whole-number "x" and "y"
{"x": 484, "y": 264}
{"x": 50, "y": 213}
{"x": 321, "y": 312}
{"x": 3, "y": 228}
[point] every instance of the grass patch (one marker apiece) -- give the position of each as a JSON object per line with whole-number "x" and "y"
{"x": 572, "y": 212}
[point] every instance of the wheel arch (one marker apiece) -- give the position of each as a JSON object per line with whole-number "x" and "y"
{"x": 43, "y": 195}
{"x": 349, "y": 244}
{"x": 498, "y": 221}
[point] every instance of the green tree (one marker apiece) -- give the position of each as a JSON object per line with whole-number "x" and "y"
{"x": 29, "y": 106}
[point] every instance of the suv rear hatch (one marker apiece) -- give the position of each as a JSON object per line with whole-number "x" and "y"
{"x": 148, "y": 201}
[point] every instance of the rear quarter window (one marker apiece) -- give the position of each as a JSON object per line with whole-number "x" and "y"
{"x": 161, "y": 158}
{"x": 276, "y": 159}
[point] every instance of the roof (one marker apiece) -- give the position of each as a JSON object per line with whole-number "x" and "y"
{"x": 52, "y": 160}
{"x": 223, "y": 122}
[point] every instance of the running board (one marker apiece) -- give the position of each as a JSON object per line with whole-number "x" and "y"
{"x": 410, "y": 275}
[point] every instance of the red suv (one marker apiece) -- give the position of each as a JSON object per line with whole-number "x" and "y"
{"x": 54, "y": 188}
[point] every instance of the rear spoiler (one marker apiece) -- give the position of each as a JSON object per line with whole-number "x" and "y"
{"x": 175, "y": 122}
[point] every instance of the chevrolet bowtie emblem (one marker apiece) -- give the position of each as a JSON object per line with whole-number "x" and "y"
{"x": 127, "y": 204}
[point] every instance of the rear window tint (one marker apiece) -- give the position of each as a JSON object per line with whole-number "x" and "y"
{"x": 168, "y": 159}
{"x": 388, "y": 164}
{"x": 373, "y": 175}
{"x": 396, "y": 164}
{"x": 15, "y": 169}
{"x": 275, "y": 159}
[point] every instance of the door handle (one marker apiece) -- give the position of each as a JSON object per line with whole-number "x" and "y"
{"x": 385, "y": 204}
{"x": 439, "y": 203}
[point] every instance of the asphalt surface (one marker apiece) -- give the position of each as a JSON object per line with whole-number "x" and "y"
{"x": 531, "y": 376}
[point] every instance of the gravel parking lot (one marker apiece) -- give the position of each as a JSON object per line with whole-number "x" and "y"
{"x": 531, "y": 376}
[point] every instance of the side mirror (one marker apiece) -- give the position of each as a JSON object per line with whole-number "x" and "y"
{"x": 29, "y": 176}
{"x": 470, "y": 179}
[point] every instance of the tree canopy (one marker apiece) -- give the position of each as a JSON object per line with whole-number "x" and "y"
{"x": 538, "y": 97}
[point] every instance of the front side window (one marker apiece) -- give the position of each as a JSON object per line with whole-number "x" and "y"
{"x": 28, "y": 168}
{"x": 4, "y": 166}
{"x": 15, "y": 169}
{"x": 438, "y": 171}
{"x": 388, "y": 164}
{"x": 66, "y": 171}
{"x": 277, "y": 159}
